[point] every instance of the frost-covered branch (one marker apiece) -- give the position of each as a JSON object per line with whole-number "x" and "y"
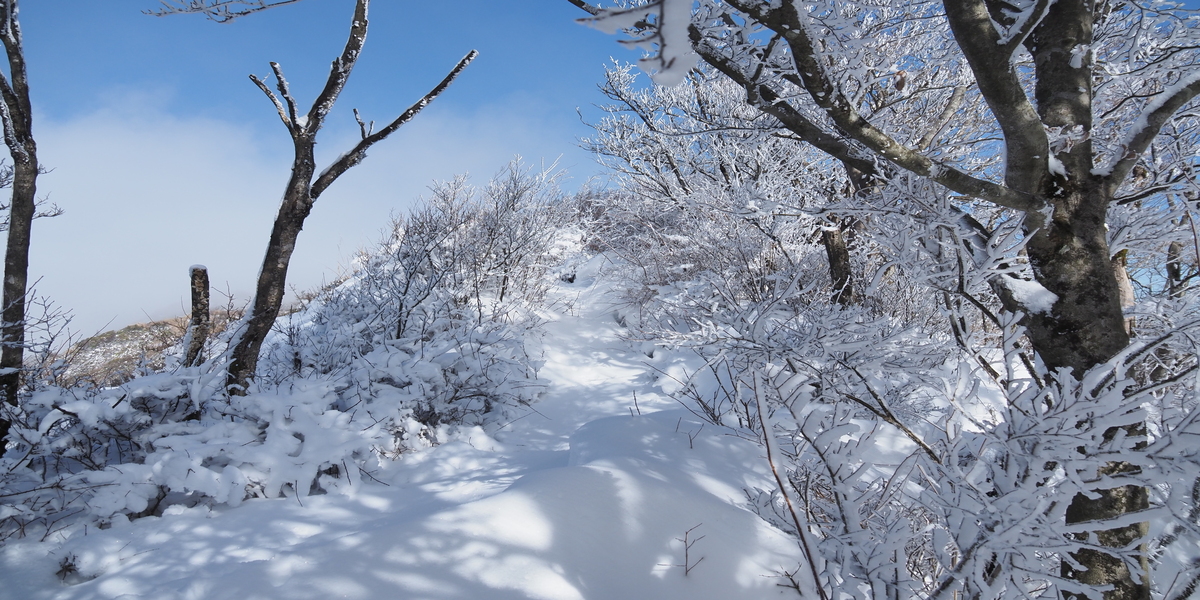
{"x": 1147, "y": 126}
{"x": 339, "y": 70}
{"x": 785, "y": 21}
{"x": 221, "y": 11}
{"x": 288, "y": 121}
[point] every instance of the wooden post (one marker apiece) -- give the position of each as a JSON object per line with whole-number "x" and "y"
{"x": 201, "y": 322}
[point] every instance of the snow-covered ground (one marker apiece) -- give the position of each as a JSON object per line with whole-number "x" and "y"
{"x": 586, "y": 496}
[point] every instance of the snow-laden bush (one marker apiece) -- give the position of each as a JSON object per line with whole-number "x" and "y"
{"x": 433, "y": 333}
{"x": 920, "y": 445}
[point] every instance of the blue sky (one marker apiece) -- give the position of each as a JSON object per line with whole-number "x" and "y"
{"x": 165, "y": 155}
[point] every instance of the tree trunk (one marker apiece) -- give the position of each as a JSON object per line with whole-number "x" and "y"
{"x": 18, "y": 136}
{"x": 1086, "y": 328}
{"x": 839, "y": 265}
{"x": 16, "y": 277}
{"x": 1070, "y": 257}
{"x": 272, "y": 279}
{"x": 1103, "y": 568}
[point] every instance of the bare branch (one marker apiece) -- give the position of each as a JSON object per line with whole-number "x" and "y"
{"x": 283, "y": 115}
{"x": 359, "y": 152}
{"x": 282, "y": 84}
{"x": 221, "y": 11}
{"x": 881, "y": 410}
{"x": 952, "y": 106}
{"x": 339, "y": 71}
{"x": 15, "y": 94}
{"x": 594, "y": 10}
{"x": 363, "y": 128}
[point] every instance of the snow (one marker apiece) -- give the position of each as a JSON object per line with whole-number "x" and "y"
{"x": 671, "y": 55}
{"x": 1055, "y": 166}
{"x": 584, "y": 497}
{"x": 1031, "y": 295}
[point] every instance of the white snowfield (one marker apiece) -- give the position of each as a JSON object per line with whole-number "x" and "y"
{"x": 583, "y": 498}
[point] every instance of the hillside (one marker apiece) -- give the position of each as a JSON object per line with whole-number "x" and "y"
{"x": 114, "y": 357}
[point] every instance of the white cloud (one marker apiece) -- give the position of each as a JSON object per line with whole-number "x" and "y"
{"x": 148, "y": 194}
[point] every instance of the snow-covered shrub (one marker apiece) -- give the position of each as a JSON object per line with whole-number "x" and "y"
{"x": 920, "y": 446}
{"x": 433, "y": 332}
{"x": 706, "y": 190}
{"x": 930, "y": 458}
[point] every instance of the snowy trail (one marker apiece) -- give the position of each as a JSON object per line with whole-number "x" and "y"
{"x": 593, "y": 372}
{"x": 582, "y": 499}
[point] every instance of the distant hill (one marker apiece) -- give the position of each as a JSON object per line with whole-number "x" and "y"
{"x": 114, "y": 357}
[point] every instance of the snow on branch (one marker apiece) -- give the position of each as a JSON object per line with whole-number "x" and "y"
{"x": 661, "y": 28}
{"x": 1151, "y": 121}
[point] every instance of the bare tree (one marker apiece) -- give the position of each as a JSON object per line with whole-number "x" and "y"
{"x": 306, "y": 184}
{"x": 17, "y": 116}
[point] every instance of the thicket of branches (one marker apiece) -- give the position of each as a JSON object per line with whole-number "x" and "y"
{"x": 922, "y": 446}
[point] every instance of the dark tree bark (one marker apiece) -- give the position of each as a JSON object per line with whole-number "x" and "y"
{"x": 840, "y": 273}
{"x": 306, "y": 185}
{"x": 200, "y": 324}
{"x": 17, "y": 116}
{"x": 1174, "y": 265}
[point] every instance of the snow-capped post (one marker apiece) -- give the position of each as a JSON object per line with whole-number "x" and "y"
{"x": 17, "y": 116}
{"x": 306, "y": 185}
{"x": 201, "y": 322}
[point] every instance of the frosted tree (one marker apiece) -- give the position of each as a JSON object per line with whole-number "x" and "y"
{"x": 699, "y": 149}
{"x": 1078, "y": 93}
